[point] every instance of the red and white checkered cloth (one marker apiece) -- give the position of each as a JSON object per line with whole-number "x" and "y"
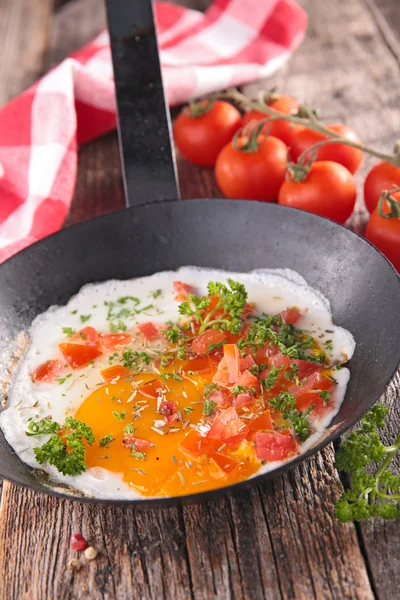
{"x": 234, "y": 42}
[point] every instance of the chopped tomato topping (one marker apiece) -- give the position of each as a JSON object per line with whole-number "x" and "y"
{"x": 221, "y": 377}
{"x": 313, "y": 398}
{"x": 205, "y": 342}
{"x": 199, "y": 364}
{"x": 87, "y": 335}
{"x": 248, "y": 380}
{"x": 168, "y": 411}
{"x": 222, "y": 398}
{"x": 227, "y": 464}
{"x": 272, "y": 445}
{"x": 109, "y": 341}
{"x": 280, "y": 362}
{"x": 263, "y": 421}
{"x": 231, "y": 357}
{"x": 113, "y": 372}
{"x": 249, "y": 308}
{"x": 262, "y": 354}
{"x": 316, "y": 381}
{"x": 246, "y": 362}
{"x": 78, "y": 355}
{"x": 149, "y": 390}
{"x": 47, "y": 371}
{"x": 305, "y": 367}
{"x": 182, "y": 290}
{"x": 137, "y": 443}
{"x": 243, "y": 399}
{"x": 291, "y": 315}
{"x": 148, "y": 330}
{"x": 228, "y": 427}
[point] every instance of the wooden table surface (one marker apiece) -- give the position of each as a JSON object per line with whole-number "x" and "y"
{"x": 279, "y": 540}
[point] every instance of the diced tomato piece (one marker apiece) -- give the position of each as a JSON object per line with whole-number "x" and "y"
{"x": 205, "y": 341}
{"x": 132, "y": 441}
{"x": 87, "y": 335}
{"x": 148, "y": 330}
{"x": 110, "y": 341}
{"x": 227, "y": 464}
{"x": 200, "y": 364}
{"x": 263, "y": 354}
{"x": 78, "y": 355}
{"x": 263, "y": 421}
{"x": 228, "y": 427}
{"x": 246, "y": 362}
{"x": 194, "y": 444}
{"x": 168, "y": 411}
{"x": 149, "y": 390}
{"x": 47, "y": 371}
{"x": 281, "y": 362}
{"x": 182, "y": 290}
{"x": 249, "y": 308}
{"x": 231, "y": 356}
{"x": 316, "y": 381}
{"x": 272, "y": 445}
{"x": 291, "y": 315}
{"x": 114, "y": 371}
{"x": 304, "y": 401}
{"x": 222, "y": 398}
{"x": 221, "y": 377}
{"x": 248, "y": 380}
{"x": 305, "y": 367}
{"x": 243, "y": 399}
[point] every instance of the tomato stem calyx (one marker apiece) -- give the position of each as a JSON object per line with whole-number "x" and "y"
{"x": 391, "y": 202}
{"x": 249, "y": 138}
{"x": 198, "y": 109}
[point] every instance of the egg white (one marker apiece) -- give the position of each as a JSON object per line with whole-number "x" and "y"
{"x": 271, "y": 290}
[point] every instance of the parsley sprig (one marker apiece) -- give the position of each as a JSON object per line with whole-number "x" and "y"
{"x": 374, "y": 490}
{"x": 65, "y": 449}
{"x": 227, "y": 312}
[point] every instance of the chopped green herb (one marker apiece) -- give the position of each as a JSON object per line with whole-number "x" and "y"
{"x": 285, "y": 402}
{"x": 129, "y": 428}
{"x": 173, "y": 334}
{"x": 208, "y": 407}
{"x": 156, "y": 294}
{"x": 325, "y": 395}
{"x": 73, "y": 312}
{"x": 119, "y": 416}
{"x": 130, "y": 358}
{"x": 187, "y": 410}
{"x": 107, "y": 439}
{"x": 138, "y": 455}
{"x": 270, "y": 380}
{"x": 209, "y": 388}
{"x": 329, "y": 345}
{"x": 84, "y": 318}
{"x": 69, "y": 332}
{"x": 61, "y": 380}
{"x": 238, "y": 389}
{"x": 118, "y": 326}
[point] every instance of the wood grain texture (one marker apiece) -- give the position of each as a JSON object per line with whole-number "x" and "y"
{"x": 279, "y": 540}
{"x": 24, "y": 30}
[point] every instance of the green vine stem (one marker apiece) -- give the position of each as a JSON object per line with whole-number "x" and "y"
{"x": 310, "y": 121}
{"x": 393, "y": 204}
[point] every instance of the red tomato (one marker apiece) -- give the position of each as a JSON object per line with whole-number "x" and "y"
{"x": 113, "y": 372}
{"x": 349, "y": 157}
{"x": 243, "y": 399}
{"x": 109, "y": 341}
{"x": 47, "y": 371}
{"x": 291, "y": 315}
{"x": 221, "y": 377}
{"x": 182, "y": 290}
{"x": 248, "y": 380}
{"x": 87, "y": 335}
{"x": 263, "y": 421}
{"x": 228, "y": 427}
{"x": 256, "y": 175}
{"x": 316, "y": 381}
{"x": 262, "y": 354}
{"x": 222, "y": 398}
{"x": 281, "y": 362}
{"x": 272, "y": 445}
{"x": 283, "y": 130}
{"x": 384, "y": 233}
{"x": 148, "y": 330}
{"x": 305, "y": 368}
{"x": 313, "y": 398}
{"x": 168, "y": 411}
{"x": 201, "y": 138}
{"x": 137, "y": 443}
{"x": 328, "y": 190}
{"x": 78, "y": 355}
{"x": 201, "y": 344}
{"x": 231, "y": 358}
{"x": 381, "y": 177}
{"x": 246, "y": 362}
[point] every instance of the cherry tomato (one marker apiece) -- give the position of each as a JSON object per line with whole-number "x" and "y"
{"x": 79, "y": 355}
{"x": 328, "y": 190}
{"x": 47, "y": 371}
{"x": 384, "y": 233}
{"x": 201, "y": 137}
{"x": 349, "y": 157}
{"x": 381, "y": 177}
{"x": 283, "y": 130}
{"x": 252, "y": 175}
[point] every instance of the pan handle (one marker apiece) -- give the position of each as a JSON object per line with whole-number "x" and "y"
{"x": 144, "y": 126}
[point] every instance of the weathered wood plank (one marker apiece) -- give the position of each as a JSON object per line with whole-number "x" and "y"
{"x": 24, "y": 30}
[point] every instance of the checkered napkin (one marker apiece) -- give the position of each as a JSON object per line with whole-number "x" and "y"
{"x": 234, "y": 42}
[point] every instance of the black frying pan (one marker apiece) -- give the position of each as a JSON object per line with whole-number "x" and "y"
{"x": 362, "y": 286}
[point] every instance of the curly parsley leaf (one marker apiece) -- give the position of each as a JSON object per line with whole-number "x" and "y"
{"x": 65, "y": 449}
{"x": 373, "y": 490}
